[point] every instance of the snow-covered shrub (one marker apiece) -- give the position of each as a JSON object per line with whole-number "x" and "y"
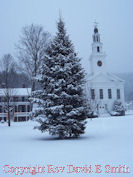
{"x": 91, "y": 106}
{"x": 114, "y": 113}
{"x": 2, "y": 121}
{"x": 91, "y": 113}
{"x": 61, "y": 106}
{"x": 118, "y": 109}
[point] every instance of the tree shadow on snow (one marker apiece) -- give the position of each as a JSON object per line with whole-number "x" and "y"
{"x": 54, "y": 138}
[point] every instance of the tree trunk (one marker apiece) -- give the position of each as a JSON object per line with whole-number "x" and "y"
{"x": 9, "y": 121}
{"x": 33, "y": 86}
{"x": 8, "y": 109}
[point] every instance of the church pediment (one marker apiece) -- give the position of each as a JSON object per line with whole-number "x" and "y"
{"x": 104, "y": 77}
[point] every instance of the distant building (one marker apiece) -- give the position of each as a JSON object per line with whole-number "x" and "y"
{"x": 19, "y": 104}
{"x": 103, "y": 88}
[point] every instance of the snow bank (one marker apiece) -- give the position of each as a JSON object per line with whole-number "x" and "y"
{"x": 107, "y": 141}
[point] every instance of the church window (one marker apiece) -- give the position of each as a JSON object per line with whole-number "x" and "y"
{"x": 109, "y": 94}
{"x": 98, "y": 49}
{"x": 92, "y": 94}
{"x": 101, "y": 93}
{"x": 118, "y": 93}
{"x": 94, "y": 38}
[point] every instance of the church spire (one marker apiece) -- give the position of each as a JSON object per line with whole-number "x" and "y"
{"x": 96, "y": 45}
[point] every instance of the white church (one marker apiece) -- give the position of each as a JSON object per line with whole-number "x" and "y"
{"x": 102, "y": 88}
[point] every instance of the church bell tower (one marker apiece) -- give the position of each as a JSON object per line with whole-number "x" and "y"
{"x": 97, "y": 58}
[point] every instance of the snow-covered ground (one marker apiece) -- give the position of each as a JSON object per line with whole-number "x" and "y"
{"x": 107, "y": 141}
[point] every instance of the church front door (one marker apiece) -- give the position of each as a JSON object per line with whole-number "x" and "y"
{"x": 101, "y": 109}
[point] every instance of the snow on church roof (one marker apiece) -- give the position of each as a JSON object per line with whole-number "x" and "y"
{"x": 16, "y": 91}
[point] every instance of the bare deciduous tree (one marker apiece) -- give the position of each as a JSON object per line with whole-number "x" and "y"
{"x": 7, "y": 64}
{"x": 31, "y": 49}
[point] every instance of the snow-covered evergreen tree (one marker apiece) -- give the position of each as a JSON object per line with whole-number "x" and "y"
{"x": 60, "y": 105}
{"x": 118, "y": 107}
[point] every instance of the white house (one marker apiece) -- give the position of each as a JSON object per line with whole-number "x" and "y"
{"x": 102, "y": 88}
{"x": 18, "y": 102}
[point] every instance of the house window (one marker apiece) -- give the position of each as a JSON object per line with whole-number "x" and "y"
{"x": 28, "y": 108}
{"x": 98, "y": 49}
{"x": 92, "y": 94}
{"x": 5, "y": 99}
{"x": 21, "y": 108}
{"x": 1, "y": 99}
{"x": 101, "y": 93}
{"x": 15, "y": 99}
{"x": 118, "y": 94}
{"x": 21, "y": 119}
{"x": 23, "y": 98}
{"x": 15, "y": 119}
{"x": 109, "y": 94}
{"x": 0, "y": 109}
{"x": 26, "y": 98}
{"x": 16, "y": 110}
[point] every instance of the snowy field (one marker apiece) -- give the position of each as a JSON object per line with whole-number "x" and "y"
{"x": 107, "y": 141}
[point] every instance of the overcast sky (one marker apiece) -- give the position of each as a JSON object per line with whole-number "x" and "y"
{"x": 115, "y": 18}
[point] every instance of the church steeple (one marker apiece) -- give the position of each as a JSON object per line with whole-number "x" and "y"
{"x": 97, "y": 58}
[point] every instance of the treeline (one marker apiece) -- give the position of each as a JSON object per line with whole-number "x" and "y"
{"x": 128, "y": 78}
{"x": 16, "y": 80}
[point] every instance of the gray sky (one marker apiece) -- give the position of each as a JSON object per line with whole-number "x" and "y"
{"x": 115, "y": 18}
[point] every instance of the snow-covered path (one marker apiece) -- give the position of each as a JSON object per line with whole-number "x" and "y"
{"x": 107, "y": 141}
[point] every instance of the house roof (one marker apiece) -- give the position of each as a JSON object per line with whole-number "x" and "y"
{"x": 15, "y": 91}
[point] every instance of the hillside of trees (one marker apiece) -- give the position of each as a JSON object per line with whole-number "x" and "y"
{"x": 16, "y": 80}
{"x": 128, "y": 78}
